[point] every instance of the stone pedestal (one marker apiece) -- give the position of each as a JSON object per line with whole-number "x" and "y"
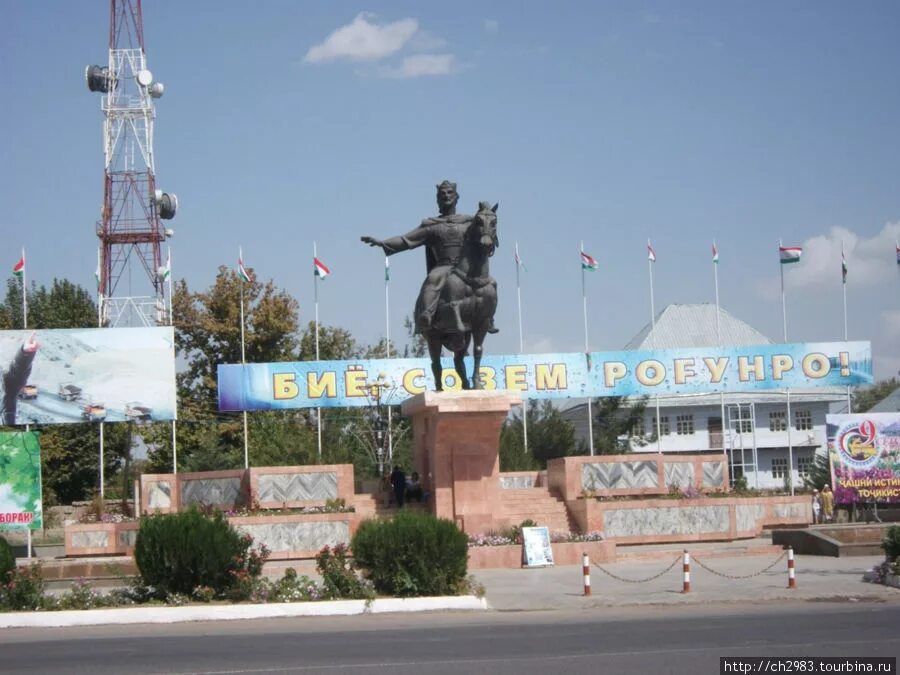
{"x": 456, "y": 439}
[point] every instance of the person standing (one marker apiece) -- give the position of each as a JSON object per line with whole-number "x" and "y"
{"x": 816, "y": 507}
{"x": 398, "y": 483}
{"x": 827, "y": 504}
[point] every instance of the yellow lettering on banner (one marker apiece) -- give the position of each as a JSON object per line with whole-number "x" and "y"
{"x": 716, "y": 367}
{"x": 642, "y": 372}
{"x": 515, "y": 378}
{"x": 455, "y": 382}
{"x": 744, "y": 369}
{"x": 322, "y": 385}
{"x": 355, "y": 382}
{"x": 816, "y": 365}
{"x": 409, "y": 381}
{"x": 488, "y": 378}
{"x": 550, "y": 376}
{"x": 781, "y": 363}
{"x": 613, "y": 371}
{"x": 684, "y": 368}
{"x": 284, "y": 386}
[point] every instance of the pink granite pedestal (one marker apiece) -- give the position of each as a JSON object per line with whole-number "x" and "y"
{"x": 456, "y": 441}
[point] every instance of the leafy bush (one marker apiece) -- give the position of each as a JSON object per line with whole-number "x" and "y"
{"x": 891, "y": 543}
{"x": 176, "y": 553}
{"x": 339, "y": 579}
{"x": 7, "y": 561}
{"x": 413, "y": 554}
{"x": 82, "y": 596}
{"x": 24, "y": 590}
{"x": 294, "y": 588}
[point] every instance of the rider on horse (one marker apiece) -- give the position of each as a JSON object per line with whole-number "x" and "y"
{"x": 444, "y": 236}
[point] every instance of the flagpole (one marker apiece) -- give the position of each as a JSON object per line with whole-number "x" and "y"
{"x": 316, "y": 297}
{"x": 844, "y": 288}
{"x": 522, "y": 346}
{"x": 787, "y": 391}
{"x": 24, "y": 291}
{"x": 172, "y": 323}
{"x": 243, "y": 359}
{"x": 100, "y": 325}
{"x": 719, "y": 339}
{"x": 99, "y": 288}
{"x": 587, "y": 350}
{"x": 387, "y": 349}
{"x": 653, "y": 342}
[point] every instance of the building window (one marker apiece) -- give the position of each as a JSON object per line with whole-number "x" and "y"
{"x": 743, "y": 425}
{"x": 637, "y": 429}
{"x": 778, "y": 421}
{"x": 803, "y": 420}
{"x": 804, "y": 465}
{"x": 664, "y": 428}
{"x": 779, "y": 467}
{"x": 684, "y": 425}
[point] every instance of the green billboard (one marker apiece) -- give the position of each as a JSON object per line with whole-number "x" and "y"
{"x": 20, "y": 481}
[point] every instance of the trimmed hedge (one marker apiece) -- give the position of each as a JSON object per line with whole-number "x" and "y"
{"x": 176, "y": 553}
{"x": 7, "y": 561}
{"x": 415, "y": 554}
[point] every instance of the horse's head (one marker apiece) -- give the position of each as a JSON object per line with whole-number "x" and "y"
{"x": 486, "y": 226}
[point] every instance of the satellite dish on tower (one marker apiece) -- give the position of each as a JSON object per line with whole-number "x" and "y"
{"x": 97, "y": 78}
{"x": 166, "y": 203}
{"x": 144, "y": 78}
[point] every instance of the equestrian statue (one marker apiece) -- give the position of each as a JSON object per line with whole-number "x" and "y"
{"x": 458, "y": 298}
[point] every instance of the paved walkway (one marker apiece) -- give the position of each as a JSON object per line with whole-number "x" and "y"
{"x": 817, "y": 578}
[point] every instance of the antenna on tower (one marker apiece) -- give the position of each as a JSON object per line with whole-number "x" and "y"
{"x": 131, "y": 290}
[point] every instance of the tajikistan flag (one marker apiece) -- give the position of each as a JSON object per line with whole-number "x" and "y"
{"x": 320, "y": 269}
{"x": 589, "y": 262}
{"x": 242, "y": 271}
{"x": 19, "y": 267}
{"x": 387, "y": 268}
{"x": 651, "y": 254}
{"x": 898, "y": 252}
{"x": 790, "y": 254}
{"x": 715, "y": 254}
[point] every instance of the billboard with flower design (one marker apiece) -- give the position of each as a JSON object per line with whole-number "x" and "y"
{"x": 864, "y": 450}
{"x": 20, "y": 481}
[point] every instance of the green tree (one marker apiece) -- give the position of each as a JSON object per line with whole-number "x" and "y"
{"x": 550, "y": 436}
{"x": 208, "y": 333}
{"x": 864, "y": 398}
{"x": 615, "y": 419}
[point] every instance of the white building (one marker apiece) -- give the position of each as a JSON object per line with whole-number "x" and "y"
{"x": 760, "y": 443}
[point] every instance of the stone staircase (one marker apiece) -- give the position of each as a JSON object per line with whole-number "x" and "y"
{"x": 537, "y": 504}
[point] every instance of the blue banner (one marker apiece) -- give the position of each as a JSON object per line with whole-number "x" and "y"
{"x": 312, "y": 384}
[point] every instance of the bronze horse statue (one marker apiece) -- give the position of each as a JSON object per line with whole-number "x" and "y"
{"x": 467, "y": 302}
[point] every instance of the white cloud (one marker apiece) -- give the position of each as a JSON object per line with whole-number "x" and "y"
{"x": 363, "y": 40}
{"x": 870, "y": 262}
{"x": 423, "y": 41}
{"x": 423, "y": 65}
{"x": 491, "y": 26}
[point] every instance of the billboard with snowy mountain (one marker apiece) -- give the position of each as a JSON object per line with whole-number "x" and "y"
{"x": 87, "y": 375}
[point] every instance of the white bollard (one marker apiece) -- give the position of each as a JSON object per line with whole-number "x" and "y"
{"x": 792, "y": 581}
{"x": 686, "y": 566}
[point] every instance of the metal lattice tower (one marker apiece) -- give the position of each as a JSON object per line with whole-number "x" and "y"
{"x": 131, "y": 273}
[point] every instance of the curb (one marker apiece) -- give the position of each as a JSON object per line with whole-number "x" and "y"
{"x": 132, "y": 615}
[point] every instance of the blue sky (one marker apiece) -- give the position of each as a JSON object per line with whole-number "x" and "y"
{"x": 285, "y": 123}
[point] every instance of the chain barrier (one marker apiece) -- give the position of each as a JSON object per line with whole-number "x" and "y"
{"x": 744, "y": 576}
{"x": 638, "y": 581}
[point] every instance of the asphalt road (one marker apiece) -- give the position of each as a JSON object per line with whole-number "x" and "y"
{"x": 624, "y": 640}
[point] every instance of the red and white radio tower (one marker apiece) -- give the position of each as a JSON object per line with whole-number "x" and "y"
{"x": 130, "y": 231}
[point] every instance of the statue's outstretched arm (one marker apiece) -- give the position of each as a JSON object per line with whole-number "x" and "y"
{"x": 405, "y": 242}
